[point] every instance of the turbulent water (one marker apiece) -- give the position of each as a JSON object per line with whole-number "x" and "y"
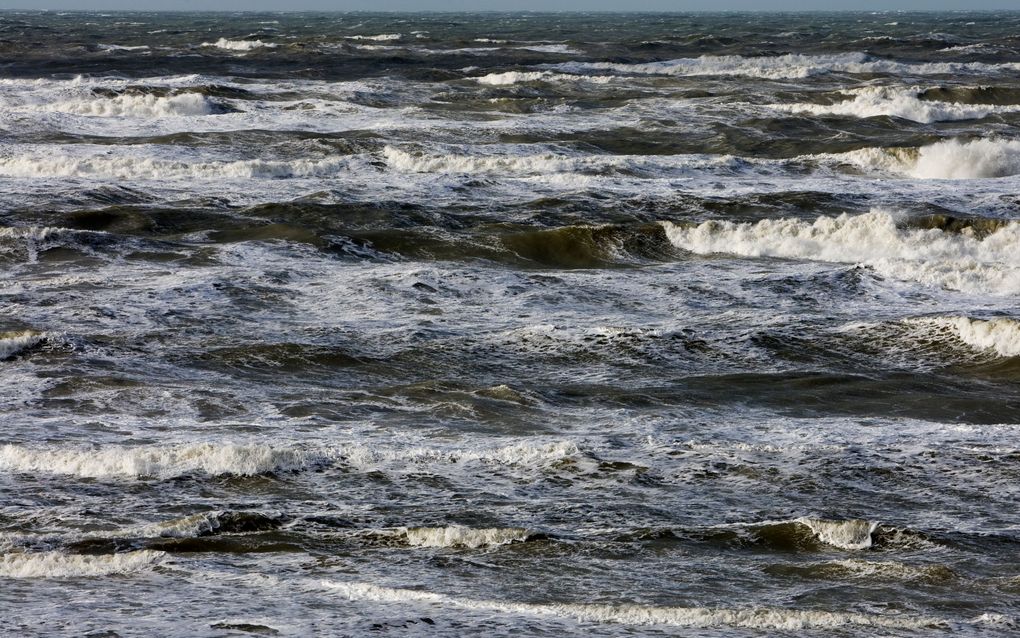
{"x": 500, "y": 324}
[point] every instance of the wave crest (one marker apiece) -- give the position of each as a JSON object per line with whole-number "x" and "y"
{"x": 905, "y": 103}
{"x": 958, "y": 261}
{"x": 239, "y": 45}
{"x": 459, "y": 536}
{"x": 132, "y": 105}
{"x": 61, "y": 565}
{"x": 11, "y": 343}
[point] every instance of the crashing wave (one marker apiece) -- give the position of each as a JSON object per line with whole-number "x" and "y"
{"x": 905, "y": 103}
{"x": 11, "y": 343}
{"x": 521, "y": 77}
{"x": 947, "y": 159}
{"x": 852, "y": 534}
{"x": 61, "y": 565}
{"x": 1000, "y": 336}
{"x": 130, "y": 105}
{"x": 958, "y": 261}
{"x": 239, "y": 45}
{"x": 459, "y": 536}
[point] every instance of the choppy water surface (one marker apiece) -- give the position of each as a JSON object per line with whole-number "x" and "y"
{"x": 488, "y": 324}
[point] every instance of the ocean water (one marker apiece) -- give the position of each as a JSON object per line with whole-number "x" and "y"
{"x": 498, "y": 324}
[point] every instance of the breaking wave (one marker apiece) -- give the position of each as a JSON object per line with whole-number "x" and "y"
{"x": 459, "y": 536}
{"x": 239, "y": 45}
{"x": 850, "y": 534}
{"x": 137, "y": 105}
{"x": 61, "y": 565}
{"x": 790, "y": 66}
{"x": 11, "y": 343}
{"x": 958, "y": 261}
{"x": 905, "y": 103}
{"x": 1000, "y": 336}
{"x": 948, "y": 159}
{"x": 633, "y": 614}
{"x": 520, "y": 77}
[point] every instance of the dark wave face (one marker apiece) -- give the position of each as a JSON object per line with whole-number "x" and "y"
{"x": 509, "y": 324}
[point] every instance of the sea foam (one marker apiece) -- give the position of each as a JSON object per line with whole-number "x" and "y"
{"x": 947, "y": 159}
{"x": 239, "y": 45}
{"x": 959, "y": 261}
{"x": 61, "y": 565}
{"x": 769, "y": 618}
{"x": 150, "y": 461}
{"x": 218, "y": 458}
{"x": 849, "y": 534}
{"x": 460, "y": 536}
{"x": 129, "y": 105}
{"x": 789, "y": 66}
{"x": 901, "y": 102}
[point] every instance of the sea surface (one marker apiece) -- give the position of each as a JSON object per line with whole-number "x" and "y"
{"x": 509, "y": 324}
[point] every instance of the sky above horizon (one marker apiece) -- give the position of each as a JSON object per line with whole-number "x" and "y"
{"x": 511, "y": 5}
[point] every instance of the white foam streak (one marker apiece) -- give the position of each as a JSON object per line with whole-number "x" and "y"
{"x": 239, "y": 45}
{"x": 520, "y": 77}
{"x": 168, "y": 461}
{"x": 780, "y": 67}
{"x": 957, "y": 261}
{"x": 905, "y": 103}
{"x": 128, "y": 167}
{"x": 61, "y": 565}
{"x": 382, "y": 37}
{"x": 513, "y": 162}
{"x": 755, "y": 618}
{"x": 459, "y": 536}
{"x": 150, "y": 461}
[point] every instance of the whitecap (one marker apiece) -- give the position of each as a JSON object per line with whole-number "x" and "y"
{"x": 239, "y": 45}
{"x": 901, "y": 102}
{"x": 958, "y": 261}
{"x": 61, "y": 565}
